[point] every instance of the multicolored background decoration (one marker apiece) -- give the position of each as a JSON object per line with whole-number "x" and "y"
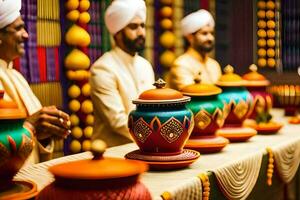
{"x": 263, "y": 33}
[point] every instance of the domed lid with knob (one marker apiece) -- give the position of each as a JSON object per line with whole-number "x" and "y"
{"x": 161, "y": 95}
{"x": 230, "y": 78}
{"x": 99, "y": 168}
{"x": 200, "y": 89}
{"x": 254, "y": 78}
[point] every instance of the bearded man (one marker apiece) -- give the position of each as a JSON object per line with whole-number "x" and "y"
{"x": 198, "y": 29}
{"x": 120, "y": 75}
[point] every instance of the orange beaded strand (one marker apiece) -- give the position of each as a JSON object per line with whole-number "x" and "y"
{"x": 270, "y": 169}
{"x": 205, "y": 186}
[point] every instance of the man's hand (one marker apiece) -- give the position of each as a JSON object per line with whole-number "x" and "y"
{"x": 49, "y": 122}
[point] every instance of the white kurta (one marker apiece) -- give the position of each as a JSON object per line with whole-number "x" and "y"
{"x": 17, "y": 89}
{"x": 187, "y": 67}
{"x": 117, "y": 78}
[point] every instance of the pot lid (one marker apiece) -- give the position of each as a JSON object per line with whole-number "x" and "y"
{"x": 9, "y": 109}
{"x": 254, "y": 78}
{"x": 99, "y": 168}
{"x": 200, "y": 89}
{"x": 161, "y": 95}
{"x": 230, "y": 78}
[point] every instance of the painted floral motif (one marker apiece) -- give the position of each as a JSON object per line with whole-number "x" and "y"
{"x": 22, "y": 151}
{"x": 26, "y": 147}
{"x": 171, "y": 130}
{"x": 141, "y": 130}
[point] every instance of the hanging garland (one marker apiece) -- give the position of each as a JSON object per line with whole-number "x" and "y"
{"x": 77, "y": 64}
{"x": 266, "y": 33}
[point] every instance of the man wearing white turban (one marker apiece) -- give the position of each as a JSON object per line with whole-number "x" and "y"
{"x": 198, "y": 29}
{"x": 45, "y": 122}
{"x": 120, "y": 75}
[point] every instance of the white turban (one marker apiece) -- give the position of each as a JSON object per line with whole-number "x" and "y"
{"x": 119, "y": 14}
{"x": 195, "y": 21}
{"x": 9, "y": 11}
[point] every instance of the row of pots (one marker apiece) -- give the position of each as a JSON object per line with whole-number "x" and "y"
{"x": 164, "y": 118}
{"x": 161, "y": 125}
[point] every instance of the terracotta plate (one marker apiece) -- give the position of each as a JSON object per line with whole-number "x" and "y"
{"x": 155, "y": 162}
{"x": 237, "y": 134}
{"x": 20, "y": 190}
{"x": 159, "y": 166}
{"x": 269, "y": 128}
{"x": 209, "y": 144}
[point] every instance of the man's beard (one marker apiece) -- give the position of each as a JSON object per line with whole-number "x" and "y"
{"x": 204, "y": 48}
{"x": 135, "y": 45}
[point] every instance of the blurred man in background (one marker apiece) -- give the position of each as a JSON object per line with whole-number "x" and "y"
{"x": 198, "y": 29}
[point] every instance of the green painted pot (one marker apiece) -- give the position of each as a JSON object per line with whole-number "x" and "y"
{"x": 16, "y": 143}
{"x": 236, "y": 97}
{"x": 207, "y": 108}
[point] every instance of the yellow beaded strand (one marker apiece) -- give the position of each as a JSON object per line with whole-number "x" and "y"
{"x": 270, "y": 169}
{"x": 205, "y": 186}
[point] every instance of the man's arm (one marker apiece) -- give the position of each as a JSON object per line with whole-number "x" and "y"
{"x": 107, "y": 100}
{"x": 180, "y": 76}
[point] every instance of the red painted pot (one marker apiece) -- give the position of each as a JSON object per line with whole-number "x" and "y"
{"x": 257, "y": 84}
{"x": 100, "y": 178}
{"x": 161, "y": 123}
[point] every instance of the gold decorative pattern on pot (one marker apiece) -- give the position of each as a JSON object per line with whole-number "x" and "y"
{"x": 155, "y": 124}
{"x": 269, "y": 102}
{"x": 202, "y": 119}
{"x": 259, "y": 103}
{"x": 188, "y": 124}
{"x": 226, "y": 110}
{"x": 219, "y": 118}
{"x": 141, "y": 130}
{"x": 171, "y": 130}
{"x": 26, "y": 147}
{"x": 241, "y": 109}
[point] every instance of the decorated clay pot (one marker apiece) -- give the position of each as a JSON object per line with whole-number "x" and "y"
{"x": 287, "y": 97}
{"x": 100, "y": 178}
{"x": 235, "y": 96}
{"x": 262, "y": 100}
{"x": 207, "y": 108}
{"x": 161, "y": 123}
{"x": 16, "y": 142}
